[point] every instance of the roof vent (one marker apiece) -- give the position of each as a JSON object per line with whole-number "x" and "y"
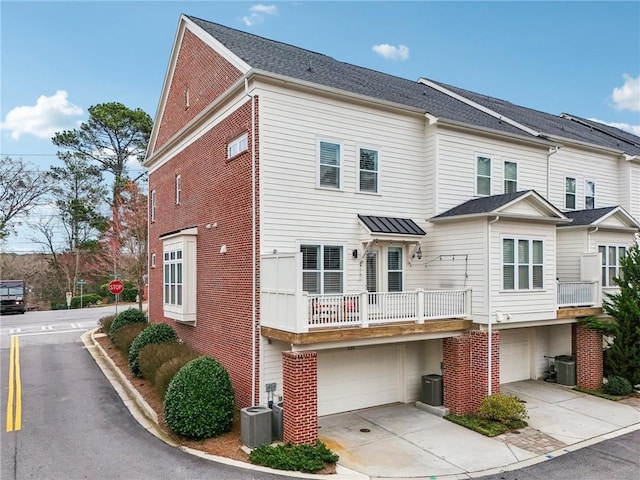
{"x": 309, "y": 69}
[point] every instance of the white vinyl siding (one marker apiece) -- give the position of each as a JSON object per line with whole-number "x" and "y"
{"x": 611, "y": 257}
{"x": 570, "y": 193}
{"x": 510, "y": 177}
{"x": 589, "y": 194}
{"x": 238, "y": 145}
{"x": 329, "y": 164}
{"x": 368, "y": 170}
{"x": 483, "y": 175}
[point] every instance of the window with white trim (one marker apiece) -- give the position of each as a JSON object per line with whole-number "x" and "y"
{"x": 510, "y": 177}
{"x": 153, "y": 260}
{"x": 522, "y": 264}
{"x": 173, "y": 277}
{"x": 368, "y": 170}
{"x": 152, "y": 206}
{"x": 178, "y": 188}
{"x": 322, "y": 268}
{"x": 329, "y": 164}
{"x": 179, "y": 275}
{"x": 612, "y": 256}
{"x": 394, "y": 269}
{"x": 589, "y": 194}
{"x": 570, "y": 193}
{"x": 483, "y": 175}
{"x": 238, "y": 145}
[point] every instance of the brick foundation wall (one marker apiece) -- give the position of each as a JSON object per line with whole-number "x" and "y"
{"x": 480, "y": 366}
{"x": 300, "y": 397}
{"x": 216, "y": 191}
{"x": 588, "y": 352}
{"x": 201, "y": 72}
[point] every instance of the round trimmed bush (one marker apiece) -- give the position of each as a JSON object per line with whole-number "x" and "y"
{"x": 502, "y": 408}
{"x": 154, "y": 333}
{"x": 129, "y": 316}
{"x": 617, "y": 385}
{"x": 200, "y": 402}
{"x": 168, "y": 370}
{"x": 153, "y": 356}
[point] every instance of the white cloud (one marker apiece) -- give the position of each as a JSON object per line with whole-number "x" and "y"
{"x": 390, "y": 52}
{"x": 627, "y": 97}
{"x": 257, "y": 14}
{"x": 48, "y": 116}
{"x": 635, "y": 129}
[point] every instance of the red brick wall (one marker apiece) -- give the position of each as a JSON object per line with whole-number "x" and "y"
{"x": 214, "y": 191}
{"x": 456, "y": 381}
{"x": 300, "y": 397}
{"x": 201, "y": 71}
{"x": 588, "y": 345}
{"x": 480, "y": 365}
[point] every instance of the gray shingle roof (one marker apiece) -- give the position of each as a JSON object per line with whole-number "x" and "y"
{"x": 391, "y": 225}
{"x": 482, "y": 205}
{"x": 587, "y": 217}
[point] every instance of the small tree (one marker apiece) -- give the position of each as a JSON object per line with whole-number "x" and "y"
{"x": 622, "y": 357}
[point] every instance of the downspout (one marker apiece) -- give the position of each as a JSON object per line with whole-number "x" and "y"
{"x": 589, "y": 232}
{"x": 490, "y": 352}
{"x": 253, "y": 243}
{"x": 552, "y": 150}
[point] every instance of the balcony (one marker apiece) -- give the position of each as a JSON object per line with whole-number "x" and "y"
{"x": 578, "y": 298}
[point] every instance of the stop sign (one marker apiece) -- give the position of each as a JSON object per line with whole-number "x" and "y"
{"x": 116, "y": 286}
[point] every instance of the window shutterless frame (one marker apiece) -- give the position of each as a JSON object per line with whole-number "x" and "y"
{"x": 238, "y": 145}
{"x": 589, "y": 194}
{"x": 368, "y": 169}
{"x": 570, "y": 193}
{"x": 329, "y": 164}
{"x": 510, "y": 177}
{"x": 483, "y": 175}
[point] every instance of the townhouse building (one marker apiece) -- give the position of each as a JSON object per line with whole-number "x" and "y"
{"x": 340, "y": 232}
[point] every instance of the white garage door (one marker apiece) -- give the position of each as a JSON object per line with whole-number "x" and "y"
{"x": 359, "y": 378}
{"x": 514, "y": 355}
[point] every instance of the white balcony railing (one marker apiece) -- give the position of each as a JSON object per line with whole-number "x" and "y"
{"x": 578, "y": 294}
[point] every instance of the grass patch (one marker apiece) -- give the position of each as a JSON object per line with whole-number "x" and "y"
{"x": 600, "y": 393}
{"x": 489, "y": 428}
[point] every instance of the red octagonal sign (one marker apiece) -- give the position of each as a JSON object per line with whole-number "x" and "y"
{"x": 116, "y": 286}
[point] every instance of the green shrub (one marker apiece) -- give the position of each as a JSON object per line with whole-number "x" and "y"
{"x": 130, "y": 315}
{"x": 617, "y": 385}
{"x": 168, "y": 370}
{"x": 300, "y": 458}
{"x": 105, "y": 323}
{"x": 154, "y": 333}
{"x": 87, "y": 300}
{"x": 152, "y": 356}
{"x": 200, "y": 402}
{"x": 124, "y": 337}
{"x": 502, "y": 408}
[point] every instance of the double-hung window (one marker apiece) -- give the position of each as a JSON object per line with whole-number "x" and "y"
{"x": 368, "y": 170}
{"x": 330, "y": 160}
{"x": 394, "y": 269}
{"x": 522, "y": 264}
{"x": 178, "y": 188}
{"x": 570, "y": 193}
{"x": 611, "y": 259}
{"x": 589, "y": 194}
{"x": 237, "y": 145}
{"x": 510, "y": 177}
{"x": 152, "y": 206}
{"x": 483, "y": 175}
{"x": 179, "y": 275}
{"x": 173, "y": 277}
{"x": 322, "y": 268}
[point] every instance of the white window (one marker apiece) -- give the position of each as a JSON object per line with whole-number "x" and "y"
{"x": 178, "y": 188}
{"x": 394, "y": 269}
{"x": 570, "y": 193}
{"x": 611, "y": 259}
{"x": 322, "y": 268}
{"x": 329, "y": 164}
{"x": 589, "y": 194}
{"x": 522, "y": 264}
{"x": 153, "y": 260}
{"x": 173, "y": 277}
{"x": 238, "y": 145}
{"x": 510, "y": 177}
{"x": 368, "y": 170}
{"x": 179, "y": 275}
{"x": 152, "y": 206}
{"x": 483, "y": 175}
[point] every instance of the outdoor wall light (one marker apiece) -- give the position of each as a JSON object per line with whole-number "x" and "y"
{"x": 418, "y": 253}
{"x": 223, "y": 249}
{"x": 354, "y": 254}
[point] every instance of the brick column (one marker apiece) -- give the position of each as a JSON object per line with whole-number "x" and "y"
{"x": 300, "y": 397}
{"x": 480, "y": 365}
{"x": 456, "y": 381}
{"x": 588, "y": 352}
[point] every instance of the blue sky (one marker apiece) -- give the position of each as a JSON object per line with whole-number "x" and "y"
{"x": 59, "y": 58}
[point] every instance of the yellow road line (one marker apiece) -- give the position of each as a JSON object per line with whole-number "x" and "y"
{"x": 14, "y": 400}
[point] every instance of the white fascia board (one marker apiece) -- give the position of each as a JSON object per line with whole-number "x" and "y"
{"x": 618, "y": 210}
{"x": 180, "y": 233}
{"x": 544, "y": 204}
{"x": 591, "y": 146}
{"x": 477, "y": 106}
{"x": 632, "y": 158}
{"x": 502, "y": 216}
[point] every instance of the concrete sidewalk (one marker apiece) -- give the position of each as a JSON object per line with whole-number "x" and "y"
{"x": 402, "y": 441}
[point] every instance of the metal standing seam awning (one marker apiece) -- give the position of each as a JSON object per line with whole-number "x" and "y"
{"x": 390, "y": 229}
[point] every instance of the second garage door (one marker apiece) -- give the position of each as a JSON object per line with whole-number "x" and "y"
{"x": 358, "y": 378}
{"x": 514, "y": 355}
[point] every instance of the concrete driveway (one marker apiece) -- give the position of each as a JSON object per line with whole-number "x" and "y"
{"x": 402, "y": 441}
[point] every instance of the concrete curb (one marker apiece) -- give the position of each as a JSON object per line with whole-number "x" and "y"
{"x": 148, "y": 418}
